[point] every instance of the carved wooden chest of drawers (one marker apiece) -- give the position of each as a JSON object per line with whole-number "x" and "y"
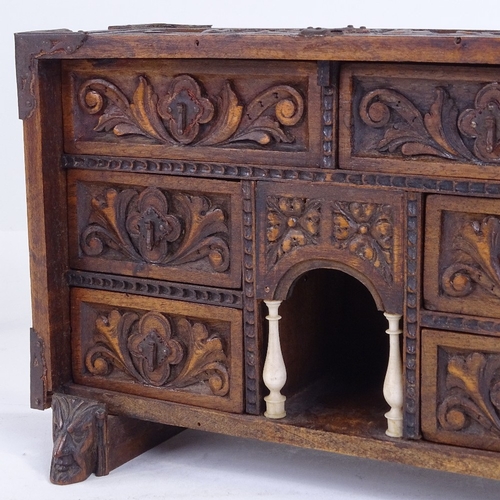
{"x": 225, "y": 223}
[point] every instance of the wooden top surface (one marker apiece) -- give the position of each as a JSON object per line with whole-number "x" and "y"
{"x": 338, "y": 44}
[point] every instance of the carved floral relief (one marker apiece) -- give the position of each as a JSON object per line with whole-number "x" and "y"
{"x": 140, "y": 226}
{"x": 476, "y": 249}
{"x": 292, "y": 222}
{"x": 158, "y": 350}
{"x": 176, "y": 117}
{"x": 472, "y": 393}
{"x": 365, "y": 230}
{"x": 438, "y": 131}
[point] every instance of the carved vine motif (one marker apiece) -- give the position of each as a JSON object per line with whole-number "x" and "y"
{"x": 147, "y": 349}
{"x": 479, "y": 240}
{"x": 437, "y": 132}
{"x": 139, "y": 226}
{"x": 291, "y": 223}
{"x": 175, "y": 118}
{"x": 366, "y": 230}
{"x": 473, "y": 382}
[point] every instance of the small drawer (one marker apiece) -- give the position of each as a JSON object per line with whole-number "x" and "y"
{"x": 170, "y": 350}
{"x": 240, "y": 112}
{"x": 423, "y": 120}
{"x": 159, "y": 227}
{"x": 461, "y": 389}
{"x": 461, "y": 267}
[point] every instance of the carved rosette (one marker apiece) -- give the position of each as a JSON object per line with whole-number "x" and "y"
{"x": 291, "y": 223}
{"x": 473, "y": 394}
{"x": 440, "y": 131}
{"x": 140, "y": 227}
{"x": 159, "y": 351}
{"x": 365, "y": 230}
{"x": 477, "y": 250}
{"x": 177, "y": 117}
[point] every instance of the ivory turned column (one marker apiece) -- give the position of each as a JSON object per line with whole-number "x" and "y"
{"x": 393, "y": 383}
{"x": 274, "y": 374}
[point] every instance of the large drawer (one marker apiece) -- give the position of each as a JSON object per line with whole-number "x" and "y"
{"x": 158, "y": 227}
{"x": 420, "y": 119}
{"x": 158, "y": 348}
{"x": 265, "y": 112}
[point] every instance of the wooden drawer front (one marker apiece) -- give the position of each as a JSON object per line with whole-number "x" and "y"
{"x": 461, "y": 269}
{"x": 461, "y": 389}
{"x": 156, "y": 227}
{"x": 171, "y": 350}
{"x": 356, "y": 230}
{"x": 420, "y": 119}
{"x": 194, "y": 110}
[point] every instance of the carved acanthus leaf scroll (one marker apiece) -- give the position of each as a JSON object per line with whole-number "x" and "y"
{"x": 434, "y": 133}
{"x": 291, "y": 223}
{"x": 175, "y": 117}
{"x": 141, "y": 227}
{"x": 473, "y": 393}
{"x": 437, "y": 132}
{"x": 478, "y": 249}
{"x": 148, "y": 347}
{"x": 365, "y": 230}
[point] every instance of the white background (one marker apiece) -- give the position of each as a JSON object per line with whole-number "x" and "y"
{"x": 193, "y": 464}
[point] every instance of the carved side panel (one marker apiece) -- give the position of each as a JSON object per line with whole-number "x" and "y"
{"x": 188, "y": 110}
{"x": 447, "y": 120}
{"x": 461, "y": 389}
{"x": 171, "y": 230}
{"x": 320, "y": 226}
{"x": 165, "y": 349}
{"x": 462, "y": 268}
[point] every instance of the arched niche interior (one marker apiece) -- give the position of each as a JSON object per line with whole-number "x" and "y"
{"x": 335, "y": 351}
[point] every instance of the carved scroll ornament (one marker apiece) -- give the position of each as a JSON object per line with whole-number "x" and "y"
{"x": 440, "y": 131}
{"x": 365, "y": 230}
{"x": 473, "y": 393}
{"x": 291, "y": 223}
{"x": 175, "y": 117}
{"x": 139, "y": 225}
{"x": 478, "y": 265}
{"x": 148, "y": 347}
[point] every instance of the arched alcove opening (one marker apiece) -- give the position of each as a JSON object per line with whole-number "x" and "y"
{"x": 336, "y": 352}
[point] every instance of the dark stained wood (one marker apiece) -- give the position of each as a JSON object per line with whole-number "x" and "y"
{"x": 89, "y": 440}
{"x": 378, "y": 446}
{"x": 46, "y": 192}
{"x": 184, "y": 352}
{"x": 180, "y": 176}
{"x": 156, "y": 228}
{"x": 460, "y": 390}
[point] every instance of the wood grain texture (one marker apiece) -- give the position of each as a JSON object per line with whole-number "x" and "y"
{"x": 164, "y": 349}
{"x": 192, "y": 110}
{"x": 46, "y": 193}
{"x": 164, "y": 229}
{"x": 376, "y": 446}
{"x": 460, "y": 400}
{"x": 393, "y": 115}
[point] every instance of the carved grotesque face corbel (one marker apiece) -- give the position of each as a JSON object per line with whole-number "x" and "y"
{"x": 77, "y": 431}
